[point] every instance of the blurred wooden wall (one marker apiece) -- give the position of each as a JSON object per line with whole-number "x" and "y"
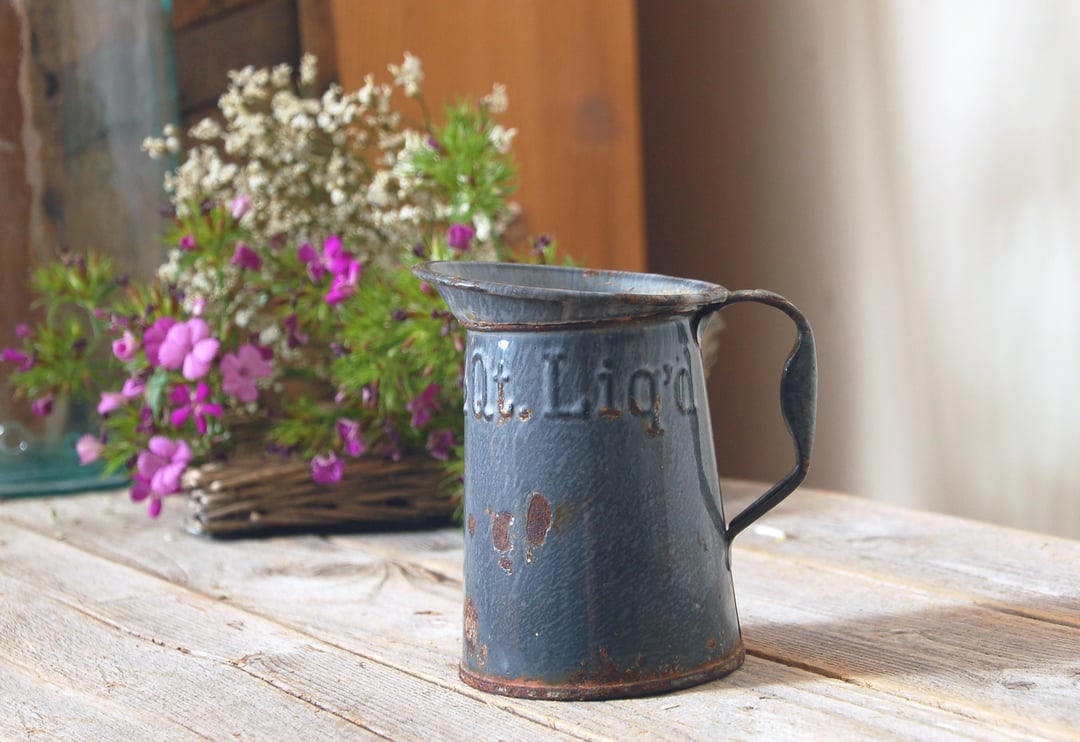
{"x": 570, "y": 69}
{"x": 14, "y": 190}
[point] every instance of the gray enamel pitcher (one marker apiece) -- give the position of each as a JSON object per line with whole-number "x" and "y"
{"x": 597, "y": 557}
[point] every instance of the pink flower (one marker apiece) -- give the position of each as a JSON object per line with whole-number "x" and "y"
{"x": 193, "y": 404}
{"x": 327, "y": 469}
{"x": 133, "y": 387}
{"x": 23, "y": 331}
{"x": 154, "y": 337}
{"x": 349, "y": 433}
{"x": 43, "y": 407}
{"x": 423, "y": 405}
{"x": 158, "y": 471}
{"x": 439, "y": 443}
{"x": 111, "y": 401}
{"x": 459, "y": 236}
{"x": 89, "y": 448}
{"x": 239, "y": 372}
{"x": 124, "y": 348}
{"x": 240, "y": 205}
{"x": 189, "y": 345}
{"x": 187, "y": 242}
{"x": 245, "y": 257}
{"x": 11, "y": 355}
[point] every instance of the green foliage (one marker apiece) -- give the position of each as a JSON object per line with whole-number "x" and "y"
{"x": 326, "y": 356}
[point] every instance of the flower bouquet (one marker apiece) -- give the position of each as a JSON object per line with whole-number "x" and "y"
{"x": 284, "y": 368}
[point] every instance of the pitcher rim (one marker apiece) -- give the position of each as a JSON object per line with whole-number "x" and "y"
{"x": 706, "y": 292}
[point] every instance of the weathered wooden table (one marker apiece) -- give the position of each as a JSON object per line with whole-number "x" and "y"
{"x": 861, "y": 622}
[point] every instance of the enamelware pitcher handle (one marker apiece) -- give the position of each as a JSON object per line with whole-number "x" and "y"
{"x": 798, "y": 402}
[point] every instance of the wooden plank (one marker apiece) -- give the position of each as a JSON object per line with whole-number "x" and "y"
{"x": 16, "y": 245}
{"x": 98, "y": 625}
{"x": 911, "y": 644}
{"x": 571, "y": 74}
{"x": 1013, "y": 571}
{"x": 36, "y": 707}
{"x": 261, "y": 34}
{"x": 190, "y": 12}
{"x": 134, "y": 668}
{"x": 315, "y": 22}
{"x": 404, "y": 591}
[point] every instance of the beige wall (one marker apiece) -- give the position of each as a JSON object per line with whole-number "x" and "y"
{"x": 740, "y": 190}
{"x": 908, "y": 175}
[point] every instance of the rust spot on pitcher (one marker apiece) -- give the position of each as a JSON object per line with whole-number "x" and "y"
{"x": 473, "y": 648}
{"x": 538, "y": 519}
{"x": 500, "y": 531}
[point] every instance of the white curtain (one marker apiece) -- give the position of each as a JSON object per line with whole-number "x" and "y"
{"x": 965, "y": 172}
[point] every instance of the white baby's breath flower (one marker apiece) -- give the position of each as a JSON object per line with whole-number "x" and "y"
{"x": 409, "y": 74}
{"x": 308, "y": 69}
{"x": 497, "y": 101}
{"x": 270, "y": 335}
{"x": 206, "y": 130}
{"x": 366, "y": 94}
{"x": 483, "y": 227}
{"x": 501, "y": 138}
{"x": 154, "y": 147}
{"x": 280, "y": 75}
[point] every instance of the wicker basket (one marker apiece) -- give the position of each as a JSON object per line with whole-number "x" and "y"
{"x": 252, "y": 494}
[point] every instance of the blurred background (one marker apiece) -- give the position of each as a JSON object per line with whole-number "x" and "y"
{"x": 907, "y": 173}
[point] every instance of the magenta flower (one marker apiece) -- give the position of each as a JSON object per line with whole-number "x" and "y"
{"x": 349, "y": 433}
{"x": 327, "y": 469}
{"x": 154, "y": 337}
{"x": 240, "y": 205}
{"x": 11, "y": 355}
{"x": 423, "y": 405}
{"x": 89, "y": 448}
{"x": 440, "y": 443}
{"x": 344, "y": 284}
{"x": 307, "y": 255}
{"x": 23, "y": 331}
{"x": 193, "y": 405}
{"x": 240, "y": 372}
{"x": 124, "y": 348}
{"x": 189, "y": 345}
{"x": 459, "y": 236}
{"x": 43, "y": 407}
{"x": 292, "y": 327}
{"x": 335, "y": 260}
{"x": 245, "y": 257}
{"x": 146, "y": 421}
{"x": 158, "y": 471}
{"x": 187, "y": 242}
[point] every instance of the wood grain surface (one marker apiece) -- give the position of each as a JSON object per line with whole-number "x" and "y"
{"x": 860, "y": 620}
{"x": 571, "y": 74}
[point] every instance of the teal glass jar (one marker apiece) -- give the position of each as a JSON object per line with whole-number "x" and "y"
{"x": 81, "y": 86}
